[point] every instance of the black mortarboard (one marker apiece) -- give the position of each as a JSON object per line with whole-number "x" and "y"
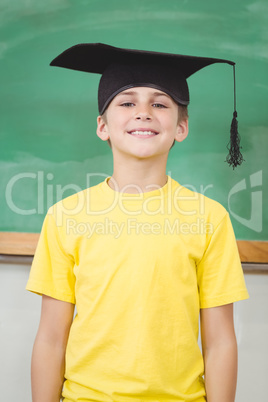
{"x": 127, "y": 68}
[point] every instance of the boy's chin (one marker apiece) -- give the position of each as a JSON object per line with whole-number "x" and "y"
{"x": 144, "y": 152}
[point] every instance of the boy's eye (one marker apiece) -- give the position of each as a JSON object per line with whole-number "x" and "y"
{"x": 127, "y": 104}
{"x": 159, "y": 105}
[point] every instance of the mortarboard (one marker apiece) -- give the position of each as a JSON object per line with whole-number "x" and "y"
{"x": 127, "y": 68}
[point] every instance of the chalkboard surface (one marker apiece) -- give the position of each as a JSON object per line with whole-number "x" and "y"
{"x": 49, "y": 147}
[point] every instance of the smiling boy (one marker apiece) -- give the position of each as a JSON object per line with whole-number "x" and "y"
{"x": 138, "y": 295}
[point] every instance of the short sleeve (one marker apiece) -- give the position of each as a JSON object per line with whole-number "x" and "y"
{"x": 52, "y": 268}
{"x": 219, "y": 272}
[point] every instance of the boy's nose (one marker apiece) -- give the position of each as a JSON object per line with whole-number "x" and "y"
{"x": 143, "y": 115}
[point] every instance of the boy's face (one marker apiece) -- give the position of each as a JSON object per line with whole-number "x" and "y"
{"x": 142, "y": 122}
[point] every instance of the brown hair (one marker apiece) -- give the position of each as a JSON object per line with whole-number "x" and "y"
{"x": 183, "y": 115}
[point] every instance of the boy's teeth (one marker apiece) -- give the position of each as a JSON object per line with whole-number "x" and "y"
{"x": 143, "y": 132}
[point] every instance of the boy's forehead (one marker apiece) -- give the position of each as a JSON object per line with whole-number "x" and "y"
{"x": 141, "y": 90}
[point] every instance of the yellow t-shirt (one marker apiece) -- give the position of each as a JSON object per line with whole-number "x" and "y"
{"x": 138, "y": 267}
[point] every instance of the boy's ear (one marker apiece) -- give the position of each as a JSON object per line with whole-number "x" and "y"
{"x": 102, "y": 131}
{"x": 182, "y": 130}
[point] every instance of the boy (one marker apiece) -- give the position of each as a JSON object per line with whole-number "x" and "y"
{"x": 154, "y": 257}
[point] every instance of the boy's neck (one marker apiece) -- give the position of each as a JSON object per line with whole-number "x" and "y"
{"x": 134, "y": 181}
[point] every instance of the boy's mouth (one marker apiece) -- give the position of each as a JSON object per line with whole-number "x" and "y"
{"x": 143, "y": 133}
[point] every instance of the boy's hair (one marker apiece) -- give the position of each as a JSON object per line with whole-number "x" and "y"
{"x": 183, "y": 115}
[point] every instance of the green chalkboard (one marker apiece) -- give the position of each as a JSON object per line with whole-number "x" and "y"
{"x": 49, "y": 147}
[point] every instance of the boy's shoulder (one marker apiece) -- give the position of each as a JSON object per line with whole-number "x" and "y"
{"x": 194, "y": 202}
{"x": 78, "y": 202}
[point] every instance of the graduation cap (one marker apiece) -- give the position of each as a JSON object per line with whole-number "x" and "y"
{"x": 127, "y": 68}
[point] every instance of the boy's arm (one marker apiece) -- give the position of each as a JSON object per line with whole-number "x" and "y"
{"x": 48, "y": 358}
{"x": 220, "y": 353}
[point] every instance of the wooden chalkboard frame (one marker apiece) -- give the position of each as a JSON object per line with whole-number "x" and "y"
{"x": 24, "y": 244}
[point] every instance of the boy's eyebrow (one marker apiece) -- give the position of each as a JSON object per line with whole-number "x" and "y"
{"x": 161, "y": 94}
{"x": 127, "y": 93}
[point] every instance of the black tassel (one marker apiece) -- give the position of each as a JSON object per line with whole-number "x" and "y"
{"x": 234, "y": 158}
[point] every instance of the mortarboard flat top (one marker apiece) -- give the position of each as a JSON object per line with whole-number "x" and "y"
{"x": 96, "y": 57}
